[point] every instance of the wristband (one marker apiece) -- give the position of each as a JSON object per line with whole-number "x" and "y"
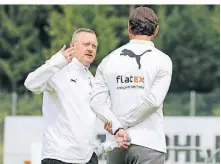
{"x": 117, "y": 130}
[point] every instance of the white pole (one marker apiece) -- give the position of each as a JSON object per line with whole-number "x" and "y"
{"x": 14, "y": 103}
{"x": 192, "y": 103}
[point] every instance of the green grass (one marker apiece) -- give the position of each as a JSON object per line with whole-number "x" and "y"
{"x": 1, "y": 152}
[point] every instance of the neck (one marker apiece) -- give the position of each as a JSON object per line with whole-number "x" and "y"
{"x": 85, "y": 64}
{"x": 142, "y": 37}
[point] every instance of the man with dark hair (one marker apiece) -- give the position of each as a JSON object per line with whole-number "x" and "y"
{"x": 65, "y": 81}
{"x": 143, "y": 21}
{"x": 135, "y": 79}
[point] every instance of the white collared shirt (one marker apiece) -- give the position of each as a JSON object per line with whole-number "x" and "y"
{"x": 69, "y": 122}
{"x": 135, "y": 79}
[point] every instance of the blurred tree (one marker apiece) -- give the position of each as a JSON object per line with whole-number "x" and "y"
{"x": 99, "y": 18}
{"x": 120, "y": 28}
{"x": 41, "y": 22}
{"x": 190, "y": 35}
{"x": 21, "y": 43}
{"x": 20, "y": 46}
{"x": 216, "y": 112}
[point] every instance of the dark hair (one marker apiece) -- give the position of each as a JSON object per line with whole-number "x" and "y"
{"x": 143, "y": 21}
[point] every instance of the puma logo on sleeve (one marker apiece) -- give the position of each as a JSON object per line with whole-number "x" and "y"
{"x": 129, "y": 53}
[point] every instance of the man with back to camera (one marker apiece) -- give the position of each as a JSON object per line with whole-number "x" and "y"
{"x": 136, "y": 86}
{"x": 69, "y": 122}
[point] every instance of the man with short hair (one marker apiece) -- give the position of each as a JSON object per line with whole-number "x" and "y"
{"x": 135, "y": 78}
{"x": 69, "y": 122}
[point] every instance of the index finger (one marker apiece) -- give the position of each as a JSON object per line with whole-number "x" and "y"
{"x": 69, "y": 49}
{"x": 105, "y": 126}
{"x": 106, "y": 123}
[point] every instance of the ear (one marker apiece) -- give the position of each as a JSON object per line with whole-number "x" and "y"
{"x": 156, "y": 31}
{"x": 72, "y": 43}
{"x": 129, "y": 30}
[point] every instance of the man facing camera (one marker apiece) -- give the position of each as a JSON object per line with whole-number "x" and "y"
{"x": 65, "y": 82}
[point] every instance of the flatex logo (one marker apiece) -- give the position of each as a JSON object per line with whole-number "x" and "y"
{"x": 130, "y": 79}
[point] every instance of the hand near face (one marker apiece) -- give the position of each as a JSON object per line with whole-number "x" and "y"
{"x": 68, "y": 53}
{"x": 85, "y": 47}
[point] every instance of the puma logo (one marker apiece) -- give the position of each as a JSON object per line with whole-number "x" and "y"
{"x": 129, "y": 53}
{"x": 74, "y": 80}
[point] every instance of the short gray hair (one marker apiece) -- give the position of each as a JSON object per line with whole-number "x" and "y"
{"x": 82, "y": 30}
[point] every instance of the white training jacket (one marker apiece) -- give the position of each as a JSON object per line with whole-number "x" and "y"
{"x": 129, "y": 88}
{"x": 69, "y": 122}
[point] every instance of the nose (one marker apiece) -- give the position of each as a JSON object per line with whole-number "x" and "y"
{"x": 90, "y": 49}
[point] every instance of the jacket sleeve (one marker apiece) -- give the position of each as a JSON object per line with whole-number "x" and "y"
{"x": 100, "y": 100}
{"x": 153, "y": 98}
{"x": 39, "y": 80}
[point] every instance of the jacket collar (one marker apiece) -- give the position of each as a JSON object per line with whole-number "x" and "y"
{"x": 142, "y": 42}
{"x": 75, "y": 62}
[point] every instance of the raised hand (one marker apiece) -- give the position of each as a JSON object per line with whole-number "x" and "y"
{"x": 68, "y": 53}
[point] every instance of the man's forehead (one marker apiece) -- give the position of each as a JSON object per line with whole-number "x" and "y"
{"x": 83, "y": 36}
